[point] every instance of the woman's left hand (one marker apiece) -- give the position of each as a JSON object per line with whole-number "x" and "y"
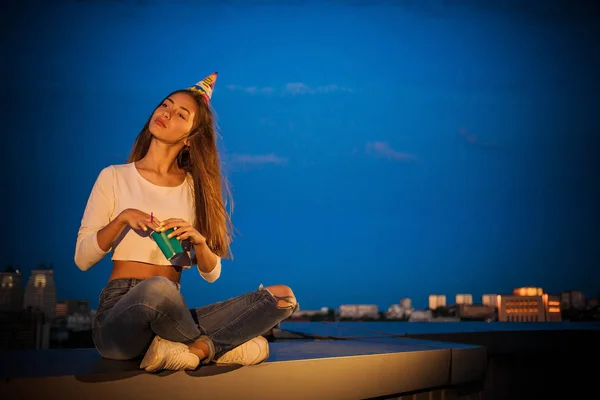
{"x": 183, "y": 230}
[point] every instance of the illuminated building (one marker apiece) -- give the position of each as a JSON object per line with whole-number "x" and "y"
{"x": 11, "y": 292}
{"x": 61, "y": 309}
{"x": 464, "y": 299}
{"x": 436, "y": 301}
{"x": 528, "y": 304}
{"x": 40, "y": 292}
{"x": 490, "y": 300}
{"x": 553, "y": 308}
{"x": 528, "y": 291}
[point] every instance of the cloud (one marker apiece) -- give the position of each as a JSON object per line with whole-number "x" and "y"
{"x": 299, "y": 88}
{"x": 251, "y": 89}
{"x": 255, "y": 159}
{"x": 293, "y": 89}
{"x": 383, "y": 149}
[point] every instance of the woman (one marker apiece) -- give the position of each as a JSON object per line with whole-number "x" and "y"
{"x": 172, "y": 180}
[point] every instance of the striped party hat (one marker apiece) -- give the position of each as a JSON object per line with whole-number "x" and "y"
{"x": 205, "y": 87}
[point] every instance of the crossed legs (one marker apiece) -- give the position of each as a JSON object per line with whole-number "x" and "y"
{"x": 286, "y": 300}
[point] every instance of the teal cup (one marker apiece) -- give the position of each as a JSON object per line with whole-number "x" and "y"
{"x": 171, "y": 248}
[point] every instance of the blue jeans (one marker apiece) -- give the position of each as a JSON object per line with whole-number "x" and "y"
{"x": 132, "y": 311}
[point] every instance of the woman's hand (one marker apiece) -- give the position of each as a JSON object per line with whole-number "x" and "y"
{"x": 137, "y": 219}
{"x": 183, "y": 230}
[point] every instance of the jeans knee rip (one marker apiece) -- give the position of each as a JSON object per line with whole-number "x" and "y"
{"x": 283, "y": 302}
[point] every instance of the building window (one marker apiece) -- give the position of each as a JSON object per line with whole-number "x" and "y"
{"x": 40, "y": 281}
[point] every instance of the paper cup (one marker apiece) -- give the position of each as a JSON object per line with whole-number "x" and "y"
{"x": 171, "y": 248}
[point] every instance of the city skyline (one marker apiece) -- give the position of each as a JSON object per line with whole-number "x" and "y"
{"x": 381, "y": 307}
{"x": 374, "y": 153}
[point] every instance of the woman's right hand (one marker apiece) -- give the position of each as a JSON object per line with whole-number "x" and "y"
{"x": 137, "y": 219}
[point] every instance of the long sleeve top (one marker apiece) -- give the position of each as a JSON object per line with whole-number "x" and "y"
{"x": 119, "y": 187}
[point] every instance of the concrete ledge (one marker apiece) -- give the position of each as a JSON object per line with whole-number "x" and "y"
{"x": 347, "y": 369}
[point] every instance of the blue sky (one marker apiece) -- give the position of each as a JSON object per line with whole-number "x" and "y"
{"x": 374, "y": 152}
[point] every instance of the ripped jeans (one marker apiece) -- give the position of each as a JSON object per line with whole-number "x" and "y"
{"x": 132, "y": 311}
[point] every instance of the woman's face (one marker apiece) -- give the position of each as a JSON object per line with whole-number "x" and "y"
{"x": 174, "y": 118}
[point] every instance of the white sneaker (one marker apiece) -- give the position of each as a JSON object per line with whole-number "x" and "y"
{"x": 163, "y": 354}
{"x": 252, "y": 352}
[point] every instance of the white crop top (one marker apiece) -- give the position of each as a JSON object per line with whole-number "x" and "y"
{"x": 119, "y": 187}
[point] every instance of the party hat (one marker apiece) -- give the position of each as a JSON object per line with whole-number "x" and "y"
{"x": 205, "y": 86}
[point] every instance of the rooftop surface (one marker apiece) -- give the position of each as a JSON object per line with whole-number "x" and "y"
{"x": 307, "y": 361}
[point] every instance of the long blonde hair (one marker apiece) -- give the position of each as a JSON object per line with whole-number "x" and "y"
{"x": 211, "y": 189}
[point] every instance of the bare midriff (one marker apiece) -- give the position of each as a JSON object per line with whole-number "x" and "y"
{"x": 140, "y": 270}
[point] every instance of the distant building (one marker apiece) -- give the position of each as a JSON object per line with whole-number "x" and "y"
{"x": 406, "y": 304}
{"x": 70, "y": 307}
{"x": 436, "y": 301}
{"x": 402, "y": 310}
{"x": 521, "y": 309}
{"x": 528, "y": 291}
{"x": 531, "y": 306}
{"x": 476, "y": 312}
{"x": 11, "y": 291}
{"x": 572, "y": 299}
{"x": 421, "y": 316}
{"x": 490, "y": 300}
{"x": 77, "y": 321}
{"x": 310, "y": 313}
{"x": 464, "y": 299}
{"x": 395, "y": 311}
{"x": 61, "y": 310}
{"x": 40, "y": 292}
{"x": 359, "y": 311}
{"x": 552, "y": 304}
{"x": 74, "y": 315}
